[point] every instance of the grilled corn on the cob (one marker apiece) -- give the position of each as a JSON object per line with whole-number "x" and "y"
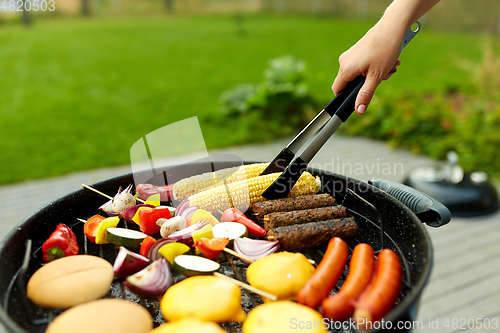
{"x": 189, "y": 186}
{"x": 244, "y": 193}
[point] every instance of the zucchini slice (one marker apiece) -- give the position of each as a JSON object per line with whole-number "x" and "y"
{"x": 194, "y": 265}
{"x": 130, "y": 239}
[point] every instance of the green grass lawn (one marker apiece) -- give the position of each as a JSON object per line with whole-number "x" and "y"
{"x": 75, "y": 95}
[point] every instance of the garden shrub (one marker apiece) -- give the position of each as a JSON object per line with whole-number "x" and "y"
{"x": 278, "y": 106}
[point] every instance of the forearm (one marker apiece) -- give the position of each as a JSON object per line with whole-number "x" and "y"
{"x": 401, "y": 14}
{"x": 376, "y": 54}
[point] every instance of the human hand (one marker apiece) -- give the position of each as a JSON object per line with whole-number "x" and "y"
{"x": 374, "y": 56}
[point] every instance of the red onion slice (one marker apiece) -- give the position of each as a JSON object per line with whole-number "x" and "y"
{"x": 188, "y": 212}
{"x": 129, "y": 213}
{"x": 254, "y": 246}
{"x": 183, "y": 205}
{"x": 152, "y": 281}
{"x": 254, "y": 249}
{"x": 128, "y": 263}
{"x": 153, "y": 253}
{"x": 184, "y": 235}
{"x": 144, "y": 191}
{"x": 186, "y": 232}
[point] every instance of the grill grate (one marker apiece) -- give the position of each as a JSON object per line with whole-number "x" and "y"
{"x": 38, "y": 317}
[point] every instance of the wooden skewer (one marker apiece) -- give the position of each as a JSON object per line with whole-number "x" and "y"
{"x": 105, "y": 195}
{"x": 236, "y": 254}
{"x": 247, "y": 286}
{"x": 140, "y": 200}
{"x": 97, "y": 191}
{"x": 81, "y": 220}
{"x": 273, "y": 238}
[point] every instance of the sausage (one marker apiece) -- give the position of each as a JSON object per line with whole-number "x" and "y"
{"x": 381, "y": 295}
{"x": 326, "y": 275}
{"x": 340, "y": 306}
{"x": 289, "y": 204}
{"x": 282, "y": 219}
{"x": 309, "y": 235}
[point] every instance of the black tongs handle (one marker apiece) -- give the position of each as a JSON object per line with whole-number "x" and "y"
{"x": 342, "y": 113}
{"x": 343, "y": 104}
{"x": 284, "y": 183}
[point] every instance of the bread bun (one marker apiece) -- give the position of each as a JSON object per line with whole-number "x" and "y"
{"x": 103, "y": 316}
{"x": 69, "y": 281}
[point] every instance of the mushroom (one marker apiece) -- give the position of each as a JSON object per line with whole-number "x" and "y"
{"x": 169, "y": 226}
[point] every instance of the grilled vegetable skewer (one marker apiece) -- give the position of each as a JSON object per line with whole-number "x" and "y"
{"x": 105, "y": 195}
{"x": 247, "y": 286}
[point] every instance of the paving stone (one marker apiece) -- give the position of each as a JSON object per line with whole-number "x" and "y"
{"x": 468, "y": 243}
{"x": 471, "y": 296}
{"x": 486, "y": 256}
{"x": 457, "y": 232}
{"x": 426, "y": 311}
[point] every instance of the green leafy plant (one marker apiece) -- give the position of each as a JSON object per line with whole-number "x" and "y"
{"x": 276, "y": 107}
{"x": 235, "y": 101}
{"x": 485, "y": 74}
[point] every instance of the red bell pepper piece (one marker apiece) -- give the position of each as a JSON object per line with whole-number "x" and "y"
{"x": 145, "y": 245}
{"x": 234, "y": 215}
{"x": 90, "y": 227}
{"x": 147, "y": 190}
{"x": 148, "y": 218}
{"x": 211, "y": 247}
{"x": 61, "y": 243}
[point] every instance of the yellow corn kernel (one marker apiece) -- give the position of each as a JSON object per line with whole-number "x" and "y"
{"x": 244, "y": 193}
{"x": 189, "y": 186}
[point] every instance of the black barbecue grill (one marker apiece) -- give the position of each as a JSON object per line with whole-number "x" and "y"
{"x": 384, "y": 222}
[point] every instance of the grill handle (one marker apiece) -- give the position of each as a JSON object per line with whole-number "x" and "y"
{"x": 427, "y": 209}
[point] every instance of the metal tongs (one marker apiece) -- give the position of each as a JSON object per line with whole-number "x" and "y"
{"x": 334, "y": 114}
